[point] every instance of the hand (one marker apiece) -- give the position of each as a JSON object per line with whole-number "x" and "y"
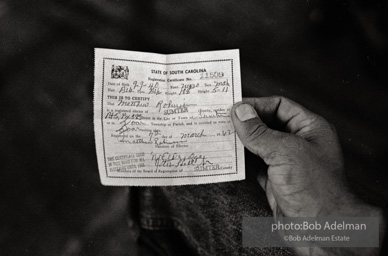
{"x": 306, "y": 175}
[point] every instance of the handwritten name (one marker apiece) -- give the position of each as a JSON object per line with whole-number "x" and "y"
{"x": 171, "y": 105}
{"x": 177, "y": 160}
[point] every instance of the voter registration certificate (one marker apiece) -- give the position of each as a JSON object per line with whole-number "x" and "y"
{"x": 163, "y": 120}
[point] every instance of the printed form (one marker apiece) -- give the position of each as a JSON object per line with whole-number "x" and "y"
{"x": 163, "y": 120}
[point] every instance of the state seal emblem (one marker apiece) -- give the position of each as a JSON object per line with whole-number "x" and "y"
{"x": 119, "y": 72}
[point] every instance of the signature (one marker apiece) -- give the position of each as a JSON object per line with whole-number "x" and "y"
{"x": 161, "y": 142}
{"x": 178, "y": 160}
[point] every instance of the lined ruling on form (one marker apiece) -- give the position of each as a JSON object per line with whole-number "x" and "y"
{"x": 163, "y": 120}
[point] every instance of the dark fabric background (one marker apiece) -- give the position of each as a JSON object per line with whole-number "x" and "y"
{"x": 329, "y": 55}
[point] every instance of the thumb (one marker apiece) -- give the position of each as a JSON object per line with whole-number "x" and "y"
{"x": 256, "y": 136}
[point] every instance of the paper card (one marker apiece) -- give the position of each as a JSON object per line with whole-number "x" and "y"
{"x": 162, "y": 120}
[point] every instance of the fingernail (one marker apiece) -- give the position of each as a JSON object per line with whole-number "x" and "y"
{"x": 245, "y": 112}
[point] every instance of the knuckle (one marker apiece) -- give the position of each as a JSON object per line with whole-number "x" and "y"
{"x": 316, "y": 122}
{"x": 255, "y": 132}
{"x": 280, "y": 98}
{"x": 272, "y": 155}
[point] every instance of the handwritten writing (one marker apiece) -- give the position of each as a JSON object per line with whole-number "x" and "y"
{"x": 165, "y": 120}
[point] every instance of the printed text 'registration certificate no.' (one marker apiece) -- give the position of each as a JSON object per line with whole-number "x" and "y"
{"x": 163, "y": 120}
